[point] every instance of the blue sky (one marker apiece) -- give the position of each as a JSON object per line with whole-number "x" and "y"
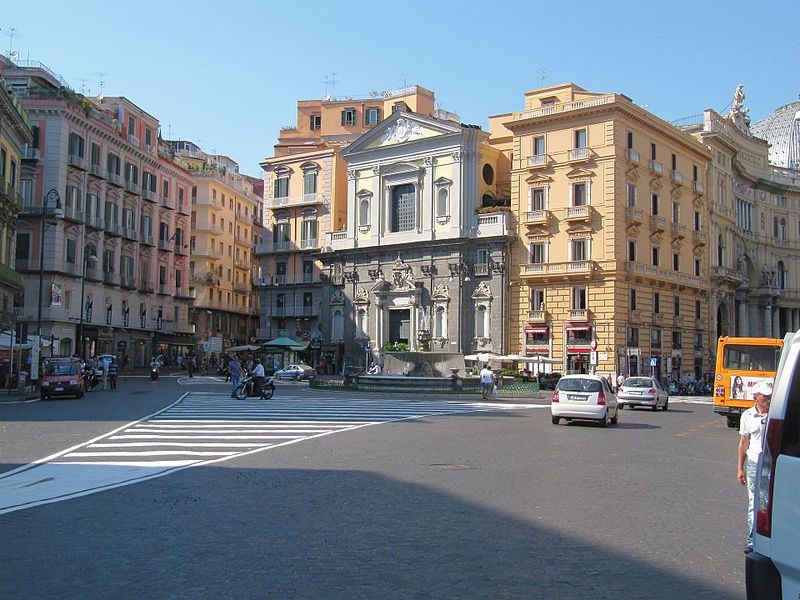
{"x": 227, "y": 75}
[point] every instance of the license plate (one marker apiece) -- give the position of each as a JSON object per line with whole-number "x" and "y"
{"x": 59, "y": 389}
{"x": 576, "y": 398}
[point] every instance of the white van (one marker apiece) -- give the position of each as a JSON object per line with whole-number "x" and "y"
{"x": 773, "y": 568}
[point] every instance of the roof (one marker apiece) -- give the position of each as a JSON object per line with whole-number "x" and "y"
{"x": 782, "y": 130}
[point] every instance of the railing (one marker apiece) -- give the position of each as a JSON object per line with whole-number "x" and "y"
{"x": 166, "y": 202}
{"x": 657, "y": 222}
{"x": 726, "y": 273}
{"x": 653, "y": 271}
{"x": 147, "y": 239}
{"x": 113, "y": 229}
{"x": 129, "y": 232}
{"x": 492, "y": 224}
{"x": 537, "y": 160}
{"x": 566, "y": 107}
{"x": 537, "y": 217}
{"x": 634, "y": 215}
{"x": 579, "y": 154}
{"x": 656, "y": 167}
{"x": 309, "y": 244}
{"x": 676, "y": 176}
{"x": 132, "y": 187}
{"x": 149, "y": 195}
{"x": 698, "y": 187}
{"x": 115, "y": 179}
{"x": 132, "y": 139}
{"x": 109, "y": 278}
{"x": 262, "y": 248}
{"x": 678, "y": 229}
{"x": 280, "y": 246}
{"x": 74, "y": 160}
{"x": 25, "y": 264}
{"x": 181, "y": 249}
{"x": 578, "y": 267}
{"x": 241, "y": 287}
{"x": 73, "y": 213}
{"x": 578, "y": 314}
{"x": 29, "y": 153}
{"x": 481, "y": 269}
{"x": 146, "y": 287}
{"x": 699, "y": 237}
{"x": 164, "y": 245}
{"x": 537, "y": 316}
{"x": 578, "y": 212}
{"x": 242, "y": 263}
{"x": 302, "y": 200}
{"x": 97, "y": 171}
{"x": 632, "y": 155}
{"x": 96, "y": 222}
{"x": 163, "y": 288}
{"x": 128, "y": 281}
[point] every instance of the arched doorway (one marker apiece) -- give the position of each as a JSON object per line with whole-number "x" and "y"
{"x": 723, "y": 320}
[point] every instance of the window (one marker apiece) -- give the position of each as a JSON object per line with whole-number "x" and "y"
{"x": 316, "y": 122}
{"x": 372, "y": 116}
{"x": 131, "y": 126}
{"x": 349, "y": 116}
{"x": 697, "y": 222}
{"x": 402, "y": 209}
{"x": 483, "y": 256}
{"x": 783, "y": 276}
{"x": 655, "y": 338}
{"x": 537, "y": 299}
{"x": 309, "y": 183}
{"x": 538, "y": 145}
{"x": 630, "y": 140}
{"x": 676, "y": 212}
{"x": 361, "y": 323}
{"x": 70, "y": 254}
{"x": 633, "y": 337}
{"x": 281, "y": 187}
{"x": 676, "y": 340}
{"x": 363, "y": 211}
{"x": 632, "y": 193}
{"x": 676, "y": 261}
{"x": 165, "y": 189}
{"x": 481, "y": 322}
{"x": 308, "y": 271}
{"x": 782, "y": 230}
{"x": 338, "y": 325}
{"x": 632, "y": 299}
{"x": 579, "y": 298}
{"x": 579, "y": 194}
{"x": 76, "y": 145}
{"x": 148, "y": 136}
{"x": 488, "y": 174}
{"x": 720, "y": 251}
{"x": 697, "y": 309}
{"x": 656, "y": 302}
{"x": 677, "y": 306}
{"x": 652, "y": 152}
{"x": 308, "y": 234}
{"x": 95, "y": 154}
{"x": 674, "y": 162}
{"x": 580, "y": 138}
{"x": 538, "y": 255}
{"x": 442, "y": 202}
{"x": 654, "y": 204}
{"x": 113, "y": 163}
{"x": 537, "y": 199}
{"x": 697, "y": 267}
{"x": 655, "y": 257}
{"x": 631, "y": 250}
{"x": 580, "y": 250}
{"x": 131, "y": 173}
{"x": 698, "y": 340}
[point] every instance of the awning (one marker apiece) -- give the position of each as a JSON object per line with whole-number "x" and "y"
{"x": 300, "y": 346}
{"x": 578, "y": 327}
{"x": 535, "y": 329}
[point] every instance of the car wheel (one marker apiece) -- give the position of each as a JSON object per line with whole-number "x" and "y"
{"x": 655, "y": 406}
{"x": 79, "y": 395}
{"x": 733, "y": 421}
{"x": 604, "y": 421}
{"x": 621, "y": 406}
{"x": 666, "y": 405}
{"x": 615, "y": 418}
{"x": 42, "y": 397}
{"x": 555, "y": 420}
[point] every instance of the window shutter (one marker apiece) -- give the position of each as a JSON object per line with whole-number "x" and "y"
{"x": 571, "y": 194}
{"x": 379, "y": 115}
{"x": 311, "y": 123}
{"x": 275, "y": 188}
{"x": 589, "y": 192}
{"x": 530, "y": 198}
{"x": 344, "y": 118}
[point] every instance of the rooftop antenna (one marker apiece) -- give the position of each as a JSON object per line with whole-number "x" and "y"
{"x": 544, "y": 73}
{"x": 12, "y": 33}
{"x": 330, "y": 81}
{"x": 83, "y": 81}
{"x": 102, "y": 81}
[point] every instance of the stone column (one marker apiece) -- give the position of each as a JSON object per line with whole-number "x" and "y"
{"x": 776, "y": 321}
{"x": 742, "y": 329}
{"x": 767, "y": 329}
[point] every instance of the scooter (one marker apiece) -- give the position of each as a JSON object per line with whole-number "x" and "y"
{"x": 91, "y": 378}
{"x": 154, "y": 372}
{"x": 245, "y": 388}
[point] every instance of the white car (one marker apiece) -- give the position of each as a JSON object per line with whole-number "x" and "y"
{"x": 642, "y": 391}
{"x": 772, "y": 569}
{"x": 587, "y": 397}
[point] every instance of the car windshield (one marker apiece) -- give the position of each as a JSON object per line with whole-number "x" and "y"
{"x": 579, "y": 385}
{"x": 62, "y": 369}
{"x": 638, "y": 382}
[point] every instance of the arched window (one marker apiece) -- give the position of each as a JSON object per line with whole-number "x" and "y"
{"x": 440, "y": 323}
{"x": 338, "y": 325}
{"x": 442, "y": 202}
{"x": 361, "y": 323}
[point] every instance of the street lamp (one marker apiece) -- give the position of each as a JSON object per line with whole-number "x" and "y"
{"x": 58, "y": 213}
{"x": 87, "y": 260}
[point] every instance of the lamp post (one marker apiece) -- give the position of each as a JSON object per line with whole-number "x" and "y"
{"x": 51, "y": 195}
{"x": 87, "y": 260}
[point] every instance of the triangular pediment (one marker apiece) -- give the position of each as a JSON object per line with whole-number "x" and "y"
{"x": 578, "y": 173}
{"x": 538, "y": 179}
{"x": 401, "y": 128}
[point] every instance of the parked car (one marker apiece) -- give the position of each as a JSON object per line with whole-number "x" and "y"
{"x": 586, "y": 397}
{"x": 297, "y": 372}
{"x": 642, "y": 391}
{"x": 62, "y": 377}
{"x": 772, "y": 569}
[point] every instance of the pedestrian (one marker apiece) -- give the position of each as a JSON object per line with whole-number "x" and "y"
{"x": 179, "y": 361}
{"x": 258, "y": 377}
{"x": 751, "y": 434}
{"x": 205, "y": 365}
{"x": 104, "y": 367}
{"x": 620, "y": 379}
{"x": 112, "y": 373}
{"x": 487, "y": 381}
{"x": 234, "y": 372}
{"x": 191, "y": 365}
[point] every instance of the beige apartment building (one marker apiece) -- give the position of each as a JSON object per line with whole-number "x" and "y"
{"x": 305, "y": 197}
{"x": 102, "y": 185}
{"x": 609, "y": 270}
{"x": 224, "y": 211}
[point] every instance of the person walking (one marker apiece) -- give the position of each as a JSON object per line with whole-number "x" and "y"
{"x": 751, "y": 434}
{"x": 191, "y": 365}
{"x": 113, "y": 370}
{"x": 104, "y": 367}
{"x": 487, "y": 381}
{"x": 234, "y": 371}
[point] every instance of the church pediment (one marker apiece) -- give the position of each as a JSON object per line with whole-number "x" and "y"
{"x": 400, "y": 128}
{"x": 539, "y": 179}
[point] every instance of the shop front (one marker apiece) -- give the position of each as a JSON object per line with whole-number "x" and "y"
{"x": 578, "y": 344}
{"x": 537, "y": 349}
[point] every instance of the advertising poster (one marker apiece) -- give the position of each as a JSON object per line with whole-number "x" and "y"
{"x": 56, "y": 292}
{"x": 741, "y": 386}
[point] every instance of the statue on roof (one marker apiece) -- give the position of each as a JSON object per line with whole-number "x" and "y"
{"x": 738, "y": 114}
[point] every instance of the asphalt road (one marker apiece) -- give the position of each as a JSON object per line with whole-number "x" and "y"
{"x": 469, "y": 503}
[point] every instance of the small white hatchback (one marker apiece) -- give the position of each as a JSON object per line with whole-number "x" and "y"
{"x": 586, "y": 397}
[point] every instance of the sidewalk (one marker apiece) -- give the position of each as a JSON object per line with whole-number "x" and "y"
{"x": 30, "y": 393}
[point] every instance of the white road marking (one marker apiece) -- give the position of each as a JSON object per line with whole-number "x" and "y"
{"x": 186, "y": 434}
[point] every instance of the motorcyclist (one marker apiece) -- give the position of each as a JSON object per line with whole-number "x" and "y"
{"x": 258, "y": 377}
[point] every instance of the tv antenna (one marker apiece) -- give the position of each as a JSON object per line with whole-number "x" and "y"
{"x": 330, "y": 81}
{"x": 544, "y": 74}
{"x": 101, "y": 81}
{"x": 84, "y": 89}
{"x": 12, "y": 33}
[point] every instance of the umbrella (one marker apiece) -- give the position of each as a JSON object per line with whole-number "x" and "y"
{"x": 245, "y": 348}
{"x": 281, "y": 342}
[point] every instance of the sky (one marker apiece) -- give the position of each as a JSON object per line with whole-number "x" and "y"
{"x": 227, "y": 75}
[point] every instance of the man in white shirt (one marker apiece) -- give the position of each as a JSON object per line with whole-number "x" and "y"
{"x": 751, "y": 434}
{"x": 487, "y": 381}
{"x": 258, "y": 377}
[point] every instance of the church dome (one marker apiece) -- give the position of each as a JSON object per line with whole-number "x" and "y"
{"x": 782, "y": 130}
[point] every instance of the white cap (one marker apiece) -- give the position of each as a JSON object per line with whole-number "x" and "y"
{"x": 762, "y": 387}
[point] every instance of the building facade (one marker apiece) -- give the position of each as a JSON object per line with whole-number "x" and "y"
{"x": 609, "y": 268}
{"x": 224, "y": 212}
{"x": 754, "y": 249}
{"x": 305, "y": 195}
{"x": 109, "y": 284}
{"x": 422, "y": 262}
{"x": 16, "y": 155}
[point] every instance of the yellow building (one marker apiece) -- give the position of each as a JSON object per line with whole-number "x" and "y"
{"x": 609, "y": 269}
{"x": 224, "y": 210}
{"x": 15, "y": 146}
{"x": 305, "y": 197}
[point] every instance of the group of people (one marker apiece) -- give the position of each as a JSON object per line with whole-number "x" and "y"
{"x": 236, "y": 370}
{"x": 108, "y": 367}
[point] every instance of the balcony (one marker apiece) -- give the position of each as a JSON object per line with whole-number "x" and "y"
{"x": 579, "y": 154}
{"x": 148, "y": 195}
{"x": 634, "y": 216}
{"x": 163, "y": 289}
{"x": 698, "y": 187}
{"x": 565, "y": 107}
{"x": 93, "y": 274}
{"x": 677, "y": 230}
{"x": 129, "y": 233}
{"x": 132, "y": 139}
{"x": 726, "y": 275}
{"x": 560, "y": 270}
{"x": 147, "y": 239}
{"x": 96, "y": 222}
{"x": 242, "y": 263}
{"x": 537, "y": 217}
{"x": 132, "y": 187}
{"x": 699, "y": 238}
{"x": 164, "y": 245}
{"x": 537, "y": 160}
{"x": 29, "y": 153}
{"x": 262, "y": 248}
{"x": 109, "y": 278}
{"x": 73, "y": 213}
{"x": 116, "y": 179}
{"x": 74, "y": 160}
{"x": 481, "y": 269}
{"x": 302, "y": 200}
{"x": 657, "y": 223}
{"x": 281, "y": 246}
{"x": 537, "y": 316}
{"x": 337, "y": 240}
{"x": 97, "y": 171}
{"x": 181, "y": 249}
{"x": 242, "y": 239}
{"x": 114, "y": 229}
{"x": 578, "y": 314}
{"x": 166, "y": 202}
{"x": 128, "y": 281}
{"x": 656, "y": 167}
{"x": 645, "y": 271}
{"x": 309, "y": 244}
{"x": 578, "y": 213}
{"x": 632, "y": 156}
{"x": 185, "y": 293}
{"x": 241, "y": 287}
{"x": 494, "y": 224}
{"x": 145, "y": 287}
{"x": 676, "y": 176}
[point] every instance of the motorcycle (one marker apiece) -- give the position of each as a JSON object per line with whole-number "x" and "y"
{"x": 154, "y": 372}
{"x": 91, "y": 378}
{"x": 245, "y": 387}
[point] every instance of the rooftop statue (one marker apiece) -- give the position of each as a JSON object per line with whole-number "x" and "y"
{"x": 738, "y": 114}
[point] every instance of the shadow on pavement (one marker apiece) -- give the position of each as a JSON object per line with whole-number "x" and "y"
{"x": 214, "y": 532}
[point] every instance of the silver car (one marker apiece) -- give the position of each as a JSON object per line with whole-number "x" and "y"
{"x": 642, "y": 391}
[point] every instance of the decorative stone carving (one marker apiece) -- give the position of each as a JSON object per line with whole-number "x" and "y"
{"x": 337, "y": 298}
{"x": 482, "y": 291}
{"x": 456, "y": 156}
{"x": 361, "y": 296}
{"x": 441, "y": 292}
{"x": 428, "y": 161}
{"x": 739, "y": 115}
{"x": 403, "y": 130}
{"x": 402, "y": 275}
{"x": 351, "y": 174}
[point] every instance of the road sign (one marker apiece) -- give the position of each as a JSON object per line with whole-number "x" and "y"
{"x": 215, "y": 343}
{"x": 653, "y": 362}
{"x": 594, "y": 345}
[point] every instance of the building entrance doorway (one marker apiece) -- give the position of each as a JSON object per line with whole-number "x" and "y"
{"x": 399, "y": 326}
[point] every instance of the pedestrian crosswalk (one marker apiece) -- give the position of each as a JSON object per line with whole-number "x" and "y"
{"x": 204, "y": 428}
